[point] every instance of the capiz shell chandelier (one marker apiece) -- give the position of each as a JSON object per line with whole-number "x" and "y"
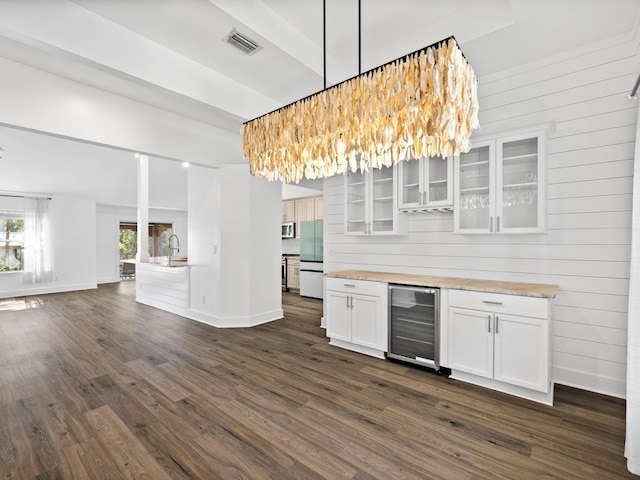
{"x": 422, "y": 104}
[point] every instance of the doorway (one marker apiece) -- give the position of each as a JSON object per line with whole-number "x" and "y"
{"x": 159, "y": 234}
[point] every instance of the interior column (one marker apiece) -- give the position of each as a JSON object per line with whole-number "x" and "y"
{"x": 143, "y": 209}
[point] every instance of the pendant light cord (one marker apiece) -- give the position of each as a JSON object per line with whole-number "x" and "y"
{"x": 324, "y": 41}
{"x": 359, "y": 40}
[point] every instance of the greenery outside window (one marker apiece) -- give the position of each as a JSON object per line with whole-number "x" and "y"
{"x": 11, "y": 241}
{"x": 159, "y": 234}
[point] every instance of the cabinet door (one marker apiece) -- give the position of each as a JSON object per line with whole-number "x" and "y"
{"x": 293, "y": 276}
{"x": 305, "y": 211}
{"x": 520, "y": 184}
{"x": 522, "y": 351}
{"x": 288, "y": 211}
{"x": 438, "y": 178}
{"x": 410, "y": 184}
{"x": 381, "y": 211}
{"x": 475, "y": 190}
{"x": 338, "y": 316}
{"x": 364, "y": 321}
{"x": 318, "y": 204}
{"x": 355, "y": 214}
{"x": 471, "y": 341}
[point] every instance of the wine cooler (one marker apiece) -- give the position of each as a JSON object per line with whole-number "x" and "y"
{"x": 414, "y": 325}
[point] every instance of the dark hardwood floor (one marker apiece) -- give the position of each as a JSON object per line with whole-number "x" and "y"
{"x": 93, "y": 385}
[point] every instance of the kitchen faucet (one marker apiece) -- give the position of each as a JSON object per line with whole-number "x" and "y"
{"x": 171, "y": 248}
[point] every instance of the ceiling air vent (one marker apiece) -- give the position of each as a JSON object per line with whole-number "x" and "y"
{"x": 242, "y": 42}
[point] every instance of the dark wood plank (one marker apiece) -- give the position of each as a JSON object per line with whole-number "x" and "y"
{"x": 96, "y": 386}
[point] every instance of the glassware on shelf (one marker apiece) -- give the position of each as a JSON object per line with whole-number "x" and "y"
{"x": 474, "y": 200}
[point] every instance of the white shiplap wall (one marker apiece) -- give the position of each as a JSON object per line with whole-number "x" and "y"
{"x": 587, "y": 245}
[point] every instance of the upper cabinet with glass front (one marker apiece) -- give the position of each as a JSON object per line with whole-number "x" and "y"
{"x": 425, "y": 184}
{"x": 370, "y": 203}
{"x": 500, "y": 186}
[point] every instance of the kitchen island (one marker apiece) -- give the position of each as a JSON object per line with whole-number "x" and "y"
{"x": 164, "y": 286}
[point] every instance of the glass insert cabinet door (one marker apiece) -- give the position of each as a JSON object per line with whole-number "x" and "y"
{"x": 475, "y": 187}
{"x": 410, "y": 183}
{"x": 356, "y": 205}
{"x": 425, "y": 183}
{"x": 370, "y": 202}
{"x": 519, "y": 193}
{"x": 382, "y": 206}
{"x": 439, "y": 178}
{"x": 501, "y": 186}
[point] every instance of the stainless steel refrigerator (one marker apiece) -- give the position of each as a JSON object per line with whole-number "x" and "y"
{"x": 311, "y": 267}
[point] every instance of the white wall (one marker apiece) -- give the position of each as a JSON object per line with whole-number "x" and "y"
{"x": 41, "y": 101}
{"x": 265, "y": 209}
{"x": 234, "y": 246}
{"x": 204, "y": 240}
{"x": 587, "y": 247}
{"x": 73, "y": 239}
{"x": 108, "y": 218}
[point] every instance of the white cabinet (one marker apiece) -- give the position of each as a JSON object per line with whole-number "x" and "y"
{"x": 502, "y": 342}
{"x": 500, "y": 185}
{"x": 288, "y": 211}
{"x": 305, "y": 212}
{"x": 299, "y": 210}
{"x": 425, "y": 184}
{"x": 318, "y": 204}
{"x": 356, "y": 317}
{"x": 370, "y": 203}
{"x": 293, "y": 273}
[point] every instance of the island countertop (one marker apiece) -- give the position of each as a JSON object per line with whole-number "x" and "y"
{"x": 510, "y": 288}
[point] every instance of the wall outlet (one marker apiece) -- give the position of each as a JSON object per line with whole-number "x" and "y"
{"x": 215, "y": 249}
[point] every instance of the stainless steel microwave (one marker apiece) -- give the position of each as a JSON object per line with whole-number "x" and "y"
{"x": 288, "y": 230}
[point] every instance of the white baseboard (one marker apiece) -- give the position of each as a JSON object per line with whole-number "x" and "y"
{"x": 100, "y": 281}
{"x": 216, "y": 321}
{"x": 536, "y": 396}
{"x": 372, "y": 352}
{"x": 46, "y": 289}
{"x": 589, "y": 381}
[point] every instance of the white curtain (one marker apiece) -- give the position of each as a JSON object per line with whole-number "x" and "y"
{"x": 38, "y": 264}
{"x": 632, "y": 447}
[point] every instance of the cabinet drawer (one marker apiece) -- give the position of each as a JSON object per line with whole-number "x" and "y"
{"x": 362, "y": 287}
{"x": 500, "y": 303}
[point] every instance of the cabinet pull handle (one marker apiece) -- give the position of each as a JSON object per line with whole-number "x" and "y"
{"x": 497, "y": 224}
{"x": 489, "y": 302}
{"x": 351, "y": 285}
{"x": 351, "y": 303}
{"x": 491, "y": 224}
{"x": 497, "y": 324}
{"x": 488, "y": 323}
{"x": 347, "y": 301}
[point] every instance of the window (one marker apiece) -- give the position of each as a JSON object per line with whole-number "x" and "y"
{"x": 11, "y": 241}
{"x": 159, "y": 234}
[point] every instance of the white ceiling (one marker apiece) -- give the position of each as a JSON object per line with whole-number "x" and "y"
{"x": 170, "y": 53}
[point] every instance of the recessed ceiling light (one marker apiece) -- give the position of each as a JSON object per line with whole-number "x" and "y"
{"x": 185, "y": 164}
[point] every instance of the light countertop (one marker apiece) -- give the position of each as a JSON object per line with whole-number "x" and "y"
{"x": 510, "y": 288}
